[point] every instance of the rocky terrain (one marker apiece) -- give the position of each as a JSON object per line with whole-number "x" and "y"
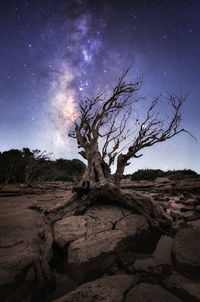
{"x": 105, "y": 254}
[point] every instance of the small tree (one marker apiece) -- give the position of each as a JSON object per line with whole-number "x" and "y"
{"x": 101, "y": 132}
{"x": 36, "y": 161}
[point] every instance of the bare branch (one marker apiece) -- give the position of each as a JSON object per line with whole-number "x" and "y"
{"x": 154, "y": 130}
{"x": 104, "y": 122}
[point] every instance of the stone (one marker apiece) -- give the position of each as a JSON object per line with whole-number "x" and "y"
{"x": 86, "y": 256}
{"x": 64, "y": 285}
{"x": 183, "y": 287}
{"x": 194, "y": 224}
{"x": 107, "y": 289}
{"x": 127, "y": 259}
{"x": 186, "y": 251}
{"x": 25, "y": 250}
{"x": 146, "y": 292}
{"x": 163, "y": 249}
{"x": 190, "y": 201}
{"x": 187, "y": 208}
{"x": 152, "y": 267}
{"x": 162, "y": 180}
{"x": 69, "y": 229}
{"x": 94, "y": 254}
{"x": 107, "y": 212}
{"x": 136, "y": 225}
{"x": 96, "y": 219}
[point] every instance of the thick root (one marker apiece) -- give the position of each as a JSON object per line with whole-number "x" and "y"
{"x": 143, "y": 204}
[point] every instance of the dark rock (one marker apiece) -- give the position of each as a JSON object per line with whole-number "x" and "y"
{"x": 163, "y": 249}
{"x": 190, "y": 201}
{"x": 179, "y": 224}
{"x": 186, "y": 251}
{"x": 145, "y": 292}
{"x": 126, "y": 259}
{"x": 89, "y": 257}
{"x": 183, "y": 287}
{"x": 135, "y": 225}
{"x": 107, "y": 212}
{"x": 194, "y": 224}
{"x": 187, "y": 208}
{"x": 96, "y": 253}
{"x": 159, "y": 264}
{"x": 97, "y": 219}
{"x": 152, "y": 267}
{"x": 107, "y": 289}
{"x": 69, "y": 229}
{"x": 25, "y": 249}
{"x": 64, "y": 285}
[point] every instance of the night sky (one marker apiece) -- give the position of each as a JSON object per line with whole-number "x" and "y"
{"x": 55, "y": 53}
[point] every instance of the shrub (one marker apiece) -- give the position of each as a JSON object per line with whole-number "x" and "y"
{"x": 147, "y": 174}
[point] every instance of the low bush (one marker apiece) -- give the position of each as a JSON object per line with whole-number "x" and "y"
{"x": 147, "y": 174}
{"x": 152, "y": 174}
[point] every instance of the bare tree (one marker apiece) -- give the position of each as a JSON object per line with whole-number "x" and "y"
{"x": 35, "y": 162}
{"x": 101, "y": 133}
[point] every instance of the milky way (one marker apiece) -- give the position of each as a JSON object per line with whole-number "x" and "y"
{"x": 55, "y": 53}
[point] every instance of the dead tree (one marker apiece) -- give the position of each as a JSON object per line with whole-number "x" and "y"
{"x": 101, "y": 133}
{"x": 35, "y": 162}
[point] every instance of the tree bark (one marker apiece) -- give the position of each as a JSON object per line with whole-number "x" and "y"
{"x": 104, "y": 190}
{"x": 97, "y": 172}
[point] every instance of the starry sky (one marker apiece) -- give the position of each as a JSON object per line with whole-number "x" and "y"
{"x": 53, "y": 53}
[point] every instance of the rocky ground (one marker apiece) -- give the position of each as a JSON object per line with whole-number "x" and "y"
{"x": 106, "y": 254}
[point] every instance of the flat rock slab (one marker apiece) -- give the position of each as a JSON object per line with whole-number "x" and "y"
{"x": 135, "y": 225}
{"x": 69, "y": 229}
{"x": 97, "y": 219}
{"x": 152, "y": 267}
{"x": 186, "y": 251}
{"x": 188, "y": 290}
{"x": 108, "y": 212}
{"x": 107, "y": 289}
{"x": 97, "y": 252}
{"x": 145, "y": 292}
{"x": 194, "y": 224}
{"x": 25, "y": 249}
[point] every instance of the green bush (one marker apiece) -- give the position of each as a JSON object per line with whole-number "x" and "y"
{"x": 152, "y": 174}
{"x": 147, "y": 174}
{"x": 182, "y": 172}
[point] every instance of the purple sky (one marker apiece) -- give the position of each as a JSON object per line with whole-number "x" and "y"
{"x": 53, "y": 53}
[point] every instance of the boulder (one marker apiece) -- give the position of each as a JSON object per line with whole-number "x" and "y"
{"x": 90, "y": 256}
{"x": 69, "y": 229}
{"x": 152, "y": 267}
{"x": 186, "y": 251}
{"x": 183, "y": 287}
{"x": 107, "y": 212}
{"x": 163, "y": 249}
{"x": 96, "y": 219}
{"x": 25, "y": 249}
{"x": 145, "y": 292}
{"x": 107, "y": 289}
{"x": 135, "y": 225}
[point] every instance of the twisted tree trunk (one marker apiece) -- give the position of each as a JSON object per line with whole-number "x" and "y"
{"x": 98, "y": 186}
